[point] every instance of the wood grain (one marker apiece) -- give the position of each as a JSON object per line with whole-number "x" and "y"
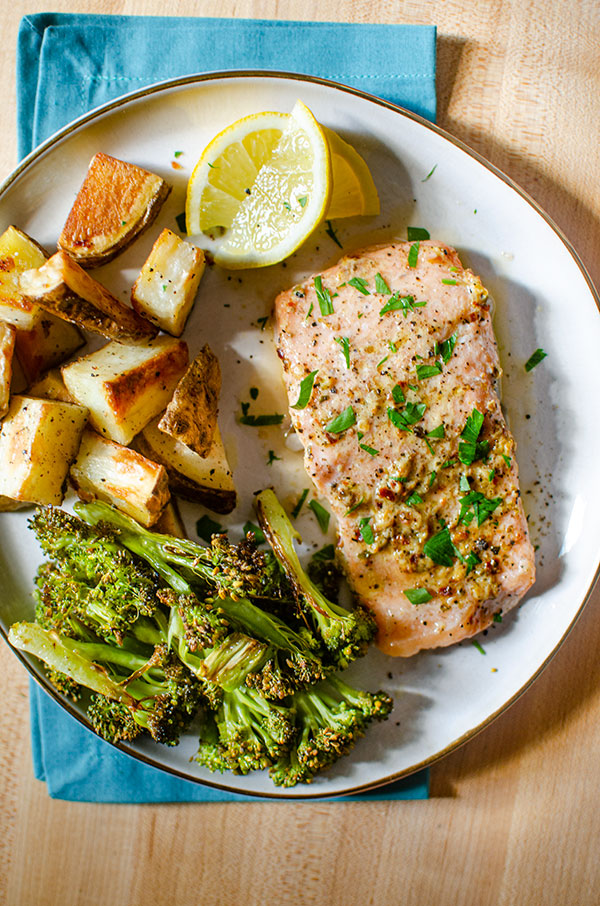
{"x": 515, "y": 814}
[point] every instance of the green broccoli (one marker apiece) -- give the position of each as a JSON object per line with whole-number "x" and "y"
{"x": 223, "y": 569}
{"x": 346, "y": 634}
{"x": 248, "y": 733}
{"x": 331, "y": 717}
{"x": 157, "y": 693}
{"x": 294, "y": 657}
{"x": 93, "y": 579}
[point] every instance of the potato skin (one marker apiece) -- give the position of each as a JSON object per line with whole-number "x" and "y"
{"x": 115, "y": 203}
{"x": 63, "y": 288}
{"x": 191, "y": 416}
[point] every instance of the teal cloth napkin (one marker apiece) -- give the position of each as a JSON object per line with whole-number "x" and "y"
{"x": 68, "y": 64}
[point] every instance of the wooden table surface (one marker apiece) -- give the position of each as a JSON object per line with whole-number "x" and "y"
{"x": 514, "y": 815}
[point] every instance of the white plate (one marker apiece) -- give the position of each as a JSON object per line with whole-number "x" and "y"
{"x": 543, "y": 298}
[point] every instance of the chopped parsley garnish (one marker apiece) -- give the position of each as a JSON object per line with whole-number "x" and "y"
{"x": 253, "y": 392}
{"x": 471, "y": 562}
{"x": 207, "y": 527}
{"x": 360, "y": 284}
{"x": 401, "y": 303}
{"x": 262, "y": 322}
{"x": 177, "y": 153}
{"x": 472, "y": 449}
{"x": 463, "y": 484}
{"x": 287, "y": 205}
{"x": 449, "y": 281}
{"x": 302, "y": 200}
{"x": 428, "y": 371}
{"x": 370, "y": 450}
{"x": 310, "y": 310}
{"x": 507, "y": 460}
{"x": 535, "y": 359}
{"x": 410, "y": 415}
{"x": 448, "y": 464}
{"x": 342, "y": 422}
{"x": 430, "y": 174}
{"x": 327, "y": 552}
{"x": 212, "y": 166}
{"x": 475, "y": 506}
{"x": 355, "y": 506}
{"x": 413, "y": 255}
{"x": 417, "y": 595}
{"x": 344, "y": 342}
{"x": 300, "y": 503}
{"x": 440, "y": 548}
{"x": 259, "y": 421}
{"x": 366, "y": 531}
{"x": 324, "y": 297}
{"x": 437, "y": 433}
{"x": 323, "y": 516}
{"x": 398, "y": 394}
{"x": 332, "y": 234}
{"x": 382, "y": 361}
{"x": 416, "y": 233}
{"x": 446, "y": 348}
{"x": 381, "y": 285}
{"x": 491, "y": 474}
{"x": 306, "y": 389}
{"x": 180, "y": 221}
{"x": 272, "y": 457}
{"x": 476, "y": 644}
{"x": 497, "y": 618}
{"x": 258, "y": 533}
{"x": 432, "y": 478}
{"x": 414, "y": 499}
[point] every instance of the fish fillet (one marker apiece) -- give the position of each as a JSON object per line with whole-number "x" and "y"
{"x": 404, "y": 435}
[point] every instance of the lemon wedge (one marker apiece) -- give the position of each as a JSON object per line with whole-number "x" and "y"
{"x": 263, "y": 185}
{"x": 354, "y": 192}
{"x": 228, "y": 168}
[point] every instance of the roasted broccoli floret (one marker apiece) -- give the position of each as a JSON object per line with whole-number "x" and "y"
{"x": 113, "y": 720}
{"x": 223, "y": 569}
{"x": 293, "y": 658}
{"x": 251, "y": 733}
{"x": 331, "y": 717}
{"x": 160, "y": 629}
{"x": 158, "y": 692}
{"x": 323, "y": 572}
{"x": 93, "y": 580}
{"x": 345, "y": 633}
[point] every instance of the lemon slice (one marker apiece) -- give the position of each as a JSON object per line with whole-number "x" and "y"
{"x": 228, "y": 167}
{"x": 287, "y": 200}
{"x": 354, "y": 193}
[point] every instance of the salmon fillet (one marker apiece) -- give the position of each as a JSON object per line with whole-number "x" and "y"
{"x": 404, "y": 435}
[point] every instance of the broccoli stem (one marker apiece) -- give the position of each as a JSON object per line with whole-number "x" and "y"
{"x": 160, "y": 551}
{"x": 60, "y": 654}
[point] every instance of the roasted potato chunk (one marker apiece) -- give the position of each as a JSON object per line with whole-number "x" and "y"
{"x": 38, "y": 441}
{"x": 18, "y": 253}
{"x": 191, "y": 416}
{"x": 115, "y": 203}
{"x": 7, "y": 346}
{"x": 120, "y": 476}
{"x": 125, "y": 386}
{"x": 48, "y": 343}
{"x": 206, "y": 480}
{"x": 64, "y": 289}
{"x": 50, "y": 387}
{"x": 165, "y": 290}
